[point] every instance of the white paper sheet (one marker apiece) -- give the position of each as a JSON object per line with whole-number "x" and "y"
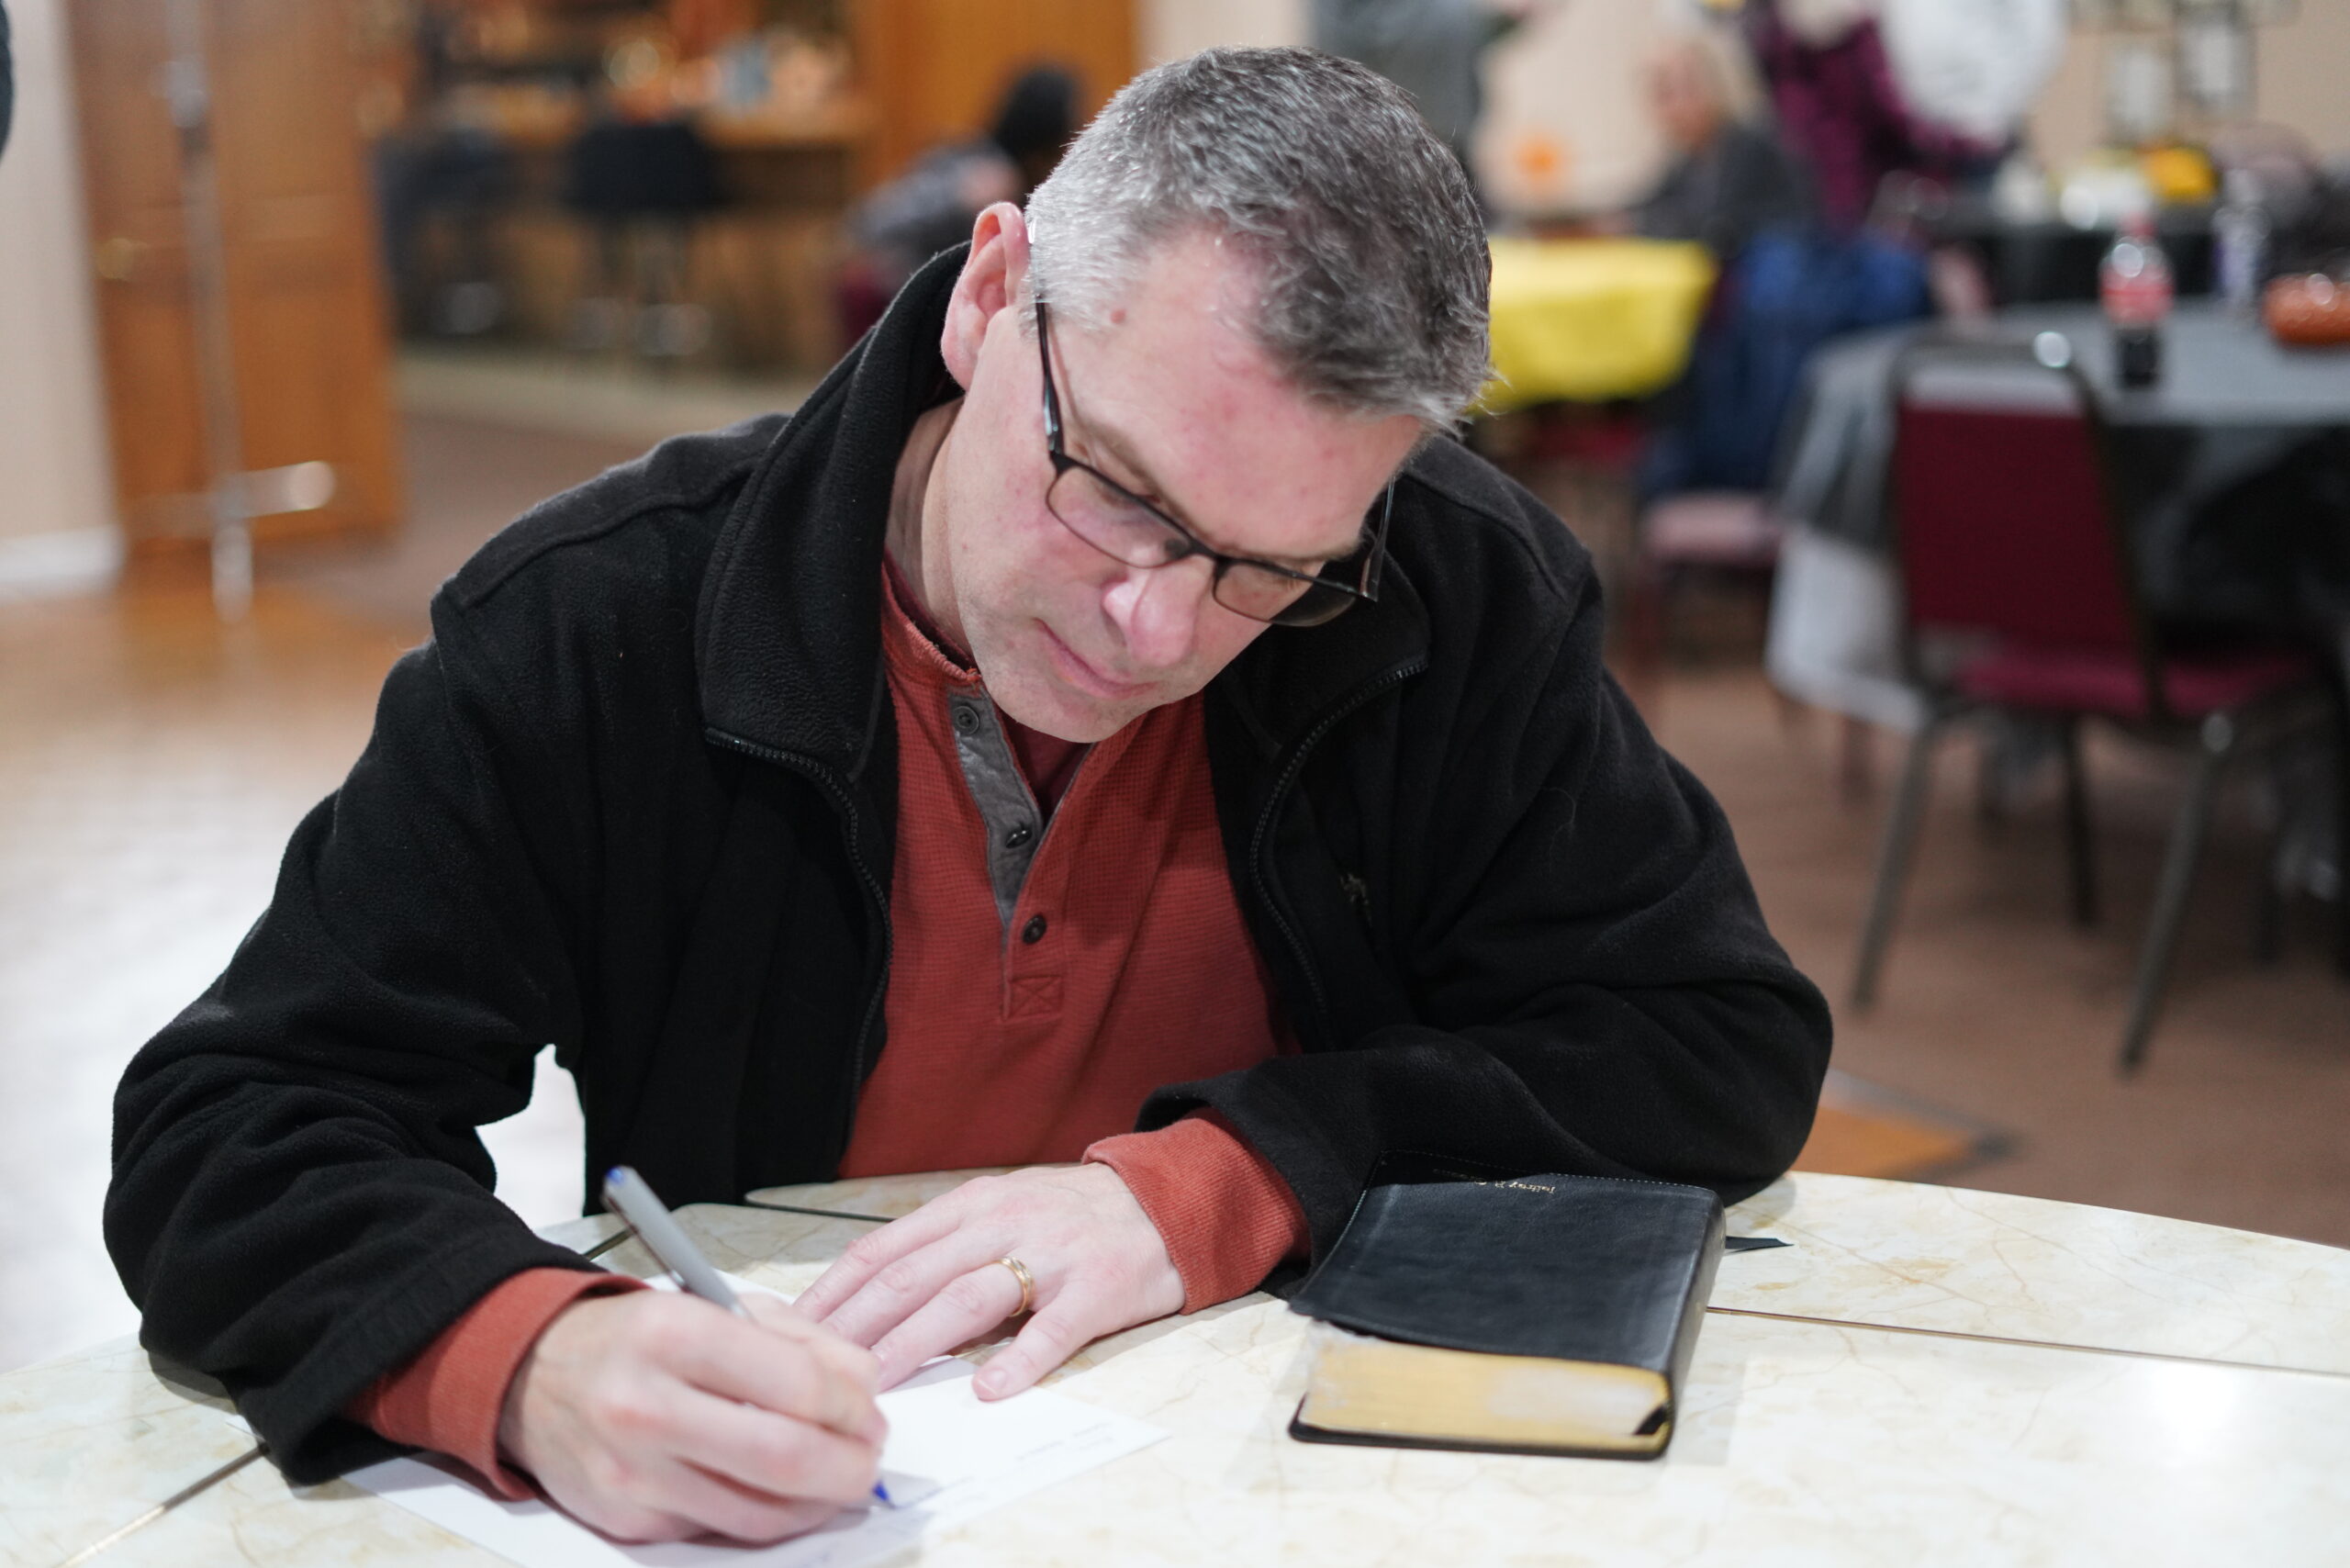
{"x": 949, "y": 1457}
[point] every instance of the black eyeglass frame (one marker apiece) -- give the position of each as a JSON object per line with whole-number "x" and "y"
{"x": 1373, "y": 551}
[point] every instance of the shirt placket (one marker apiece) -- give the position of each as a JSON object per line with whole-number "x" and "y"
{"x": 1013, "y": 821}
{"x": 1009, "y": 814}
{"x": 1028, "y": 855}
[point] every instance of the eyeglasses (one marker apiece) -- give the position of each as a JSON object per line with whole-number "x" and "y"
{"x": 1124, "y": 527}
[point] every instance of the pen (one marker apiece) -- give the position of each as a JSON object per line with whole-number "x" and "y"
{"x": 671, "y": 1247}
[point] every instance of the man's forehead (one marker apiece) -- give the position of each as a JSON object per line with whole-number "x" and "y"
{"x": 1194, "y": 296}
{"x": 1173, "y": 384}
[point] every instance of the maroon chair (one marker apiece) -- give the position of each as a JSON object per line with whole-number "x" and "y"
{"x": 1729, "y": 535}
{"x": 2021, "y": 596}
{"x": 1704, "y": 532}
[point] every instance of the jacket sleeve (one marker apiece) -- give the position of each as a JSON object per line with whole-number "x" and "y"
{"x": 300, "y": 1201}
{"x": 1576, "y": 975}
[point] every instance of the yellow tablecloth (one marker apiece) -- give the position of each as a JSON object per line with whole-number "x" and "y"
{"x": 1590, "y": 319}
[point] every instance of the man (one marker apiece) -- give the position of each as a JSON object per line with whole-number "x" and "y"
{"x": 1080, "y": 717}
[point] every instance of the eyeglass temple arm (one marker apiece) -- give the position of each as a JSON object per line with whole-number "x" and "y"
{"x": 1374, "y": 567}
{"x": 1052, "y": 398}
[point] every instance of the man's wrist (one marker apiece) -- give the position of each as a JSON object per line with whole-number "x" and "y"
{"x": 1223, "y": 1212}
{"x": 452, "y": 1397}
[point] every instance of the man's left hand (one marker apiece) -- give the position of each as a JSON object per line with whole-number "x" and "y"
{"x": 930, "y": 1282}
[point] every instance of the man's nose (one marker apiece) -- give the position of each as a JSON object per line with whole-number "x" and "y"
{"x": 1157, "y": 609}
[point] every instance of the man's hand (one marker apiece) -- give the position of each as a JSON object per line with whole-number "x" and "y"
{"x": 930, "y": 1282}
{"x": 656, "y": 1418}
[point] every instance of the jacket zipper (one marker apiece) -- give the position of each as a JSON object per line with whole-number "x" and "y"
{"x": 1257, "y": 863}
{"x": 824, "y": 779}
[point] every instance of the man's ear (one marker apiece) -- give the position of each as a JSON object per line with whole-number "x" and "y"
{"x": 990, "y": 284}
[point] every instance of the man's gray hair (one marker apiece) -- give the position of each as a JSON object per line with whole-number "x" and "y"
{"x": 1369, "y": 249}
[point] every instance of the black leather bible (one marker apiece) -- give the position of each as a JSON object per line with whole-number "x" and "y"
{"x": 1544, "y": 1315}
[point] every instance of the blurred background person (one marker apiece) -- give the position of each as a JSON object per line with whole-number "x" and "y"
{"x": 1434, "y": 50}
{"x": 930, "y": 207}
{"x": 1841, "y": 108}
{"x": 1796, "y": 272}
{"x": 1728, "y": 178}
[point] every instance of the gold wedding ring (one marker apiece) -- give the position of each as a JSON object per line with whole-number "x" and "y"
{"x": 1027, "y": 1281}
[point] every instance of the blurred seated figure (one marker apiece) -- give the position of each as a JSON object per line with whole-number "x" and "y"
{"x": 1730, "y": 178}
{"x": 932, "y": 206}
{"x": 1788, "y": 292}
{"x": 1790, "y": 277}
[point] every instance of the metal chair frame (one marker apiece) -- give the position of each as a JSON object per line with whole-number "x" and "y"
{"x": 2216, "y": 740}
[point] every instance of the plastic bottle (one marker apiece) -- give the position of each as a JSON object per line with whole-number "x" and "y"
{"x": 2135, "y": 285}
{"x": 2240, "y": 244}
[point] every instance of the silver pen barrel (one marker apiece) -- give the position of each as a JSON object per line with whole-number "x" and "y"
{"x": 633, "y": 1200}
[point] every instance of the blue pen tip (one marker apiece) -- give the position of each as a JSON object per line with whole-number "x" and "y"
{"x": 883, "y": 1493}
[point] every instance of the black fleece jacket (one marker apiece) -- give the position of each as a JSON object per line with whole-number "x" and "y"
{"x": 636, "y": 799}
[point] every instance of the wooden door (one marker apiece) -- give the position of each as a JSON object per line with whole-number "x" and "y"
{"x": 307, "y": 330}
{"x": 935, "y": 69}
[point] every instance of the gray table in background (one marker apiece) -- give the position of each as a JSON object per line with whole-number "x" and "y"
{"x": 2248, "y": 399}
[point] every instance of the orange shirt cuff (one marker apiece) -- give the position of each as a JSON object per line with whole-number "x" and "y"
{"x": 448, "y": 1399}
{"x": 1224, "y": 1212}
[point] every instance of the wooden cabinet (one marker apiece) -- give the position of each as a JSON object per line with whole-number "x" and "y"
{"x": 932, "y": 71}
{"x": 307, "y": 335}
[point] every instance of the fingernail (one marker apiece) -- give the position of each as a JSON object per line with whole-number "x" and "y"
{"x": 989, "y": 1384}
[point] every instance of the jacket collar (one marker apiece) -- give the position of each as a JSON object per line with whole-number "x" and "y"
{"x": 788, "y": 643}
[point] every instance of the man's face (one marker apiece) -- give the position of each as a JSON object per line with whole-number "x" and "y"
{"x": 1171, "y": 400}
{"x": 1686, "y": 107}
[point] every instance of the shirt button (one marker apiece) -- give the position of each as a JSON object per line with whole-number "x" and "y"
{"x": 1021, "y": 833}
{"x": 967, "y": 718}
{"x": 1033, "y": 931}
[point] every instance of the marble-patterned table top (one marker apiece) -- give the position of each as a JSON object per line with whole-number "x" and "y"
{"x": 2088, "y": 1387}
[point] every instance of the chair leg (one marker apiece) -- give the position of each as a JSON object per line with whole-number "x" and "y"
{"x": 2342, "y": 832}
{"x": 1855, "y": 765}
{"x": 2080, "y": 847}
{"x": 2268, "y": 901}
{"x": 1793, "y": 717}
{"x": 1644, "y": 635}
{"x": 2268, "y": 909}
{"x": 2193, "y": 826}
{"x": 1991, "y": 771}
{"x": 1893, "y": 856}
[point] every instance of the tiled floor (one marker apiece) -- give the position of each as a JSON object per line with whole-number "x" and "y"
{"x": 152, "y": 763}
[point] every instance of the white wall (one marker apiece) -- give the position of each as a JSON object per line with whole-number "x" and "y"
{"x": 57, "y": 526}
{"x": 2297, "y": 81}
{"x": 1172, "y": 28}
{"x": 1567, "y": 121}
